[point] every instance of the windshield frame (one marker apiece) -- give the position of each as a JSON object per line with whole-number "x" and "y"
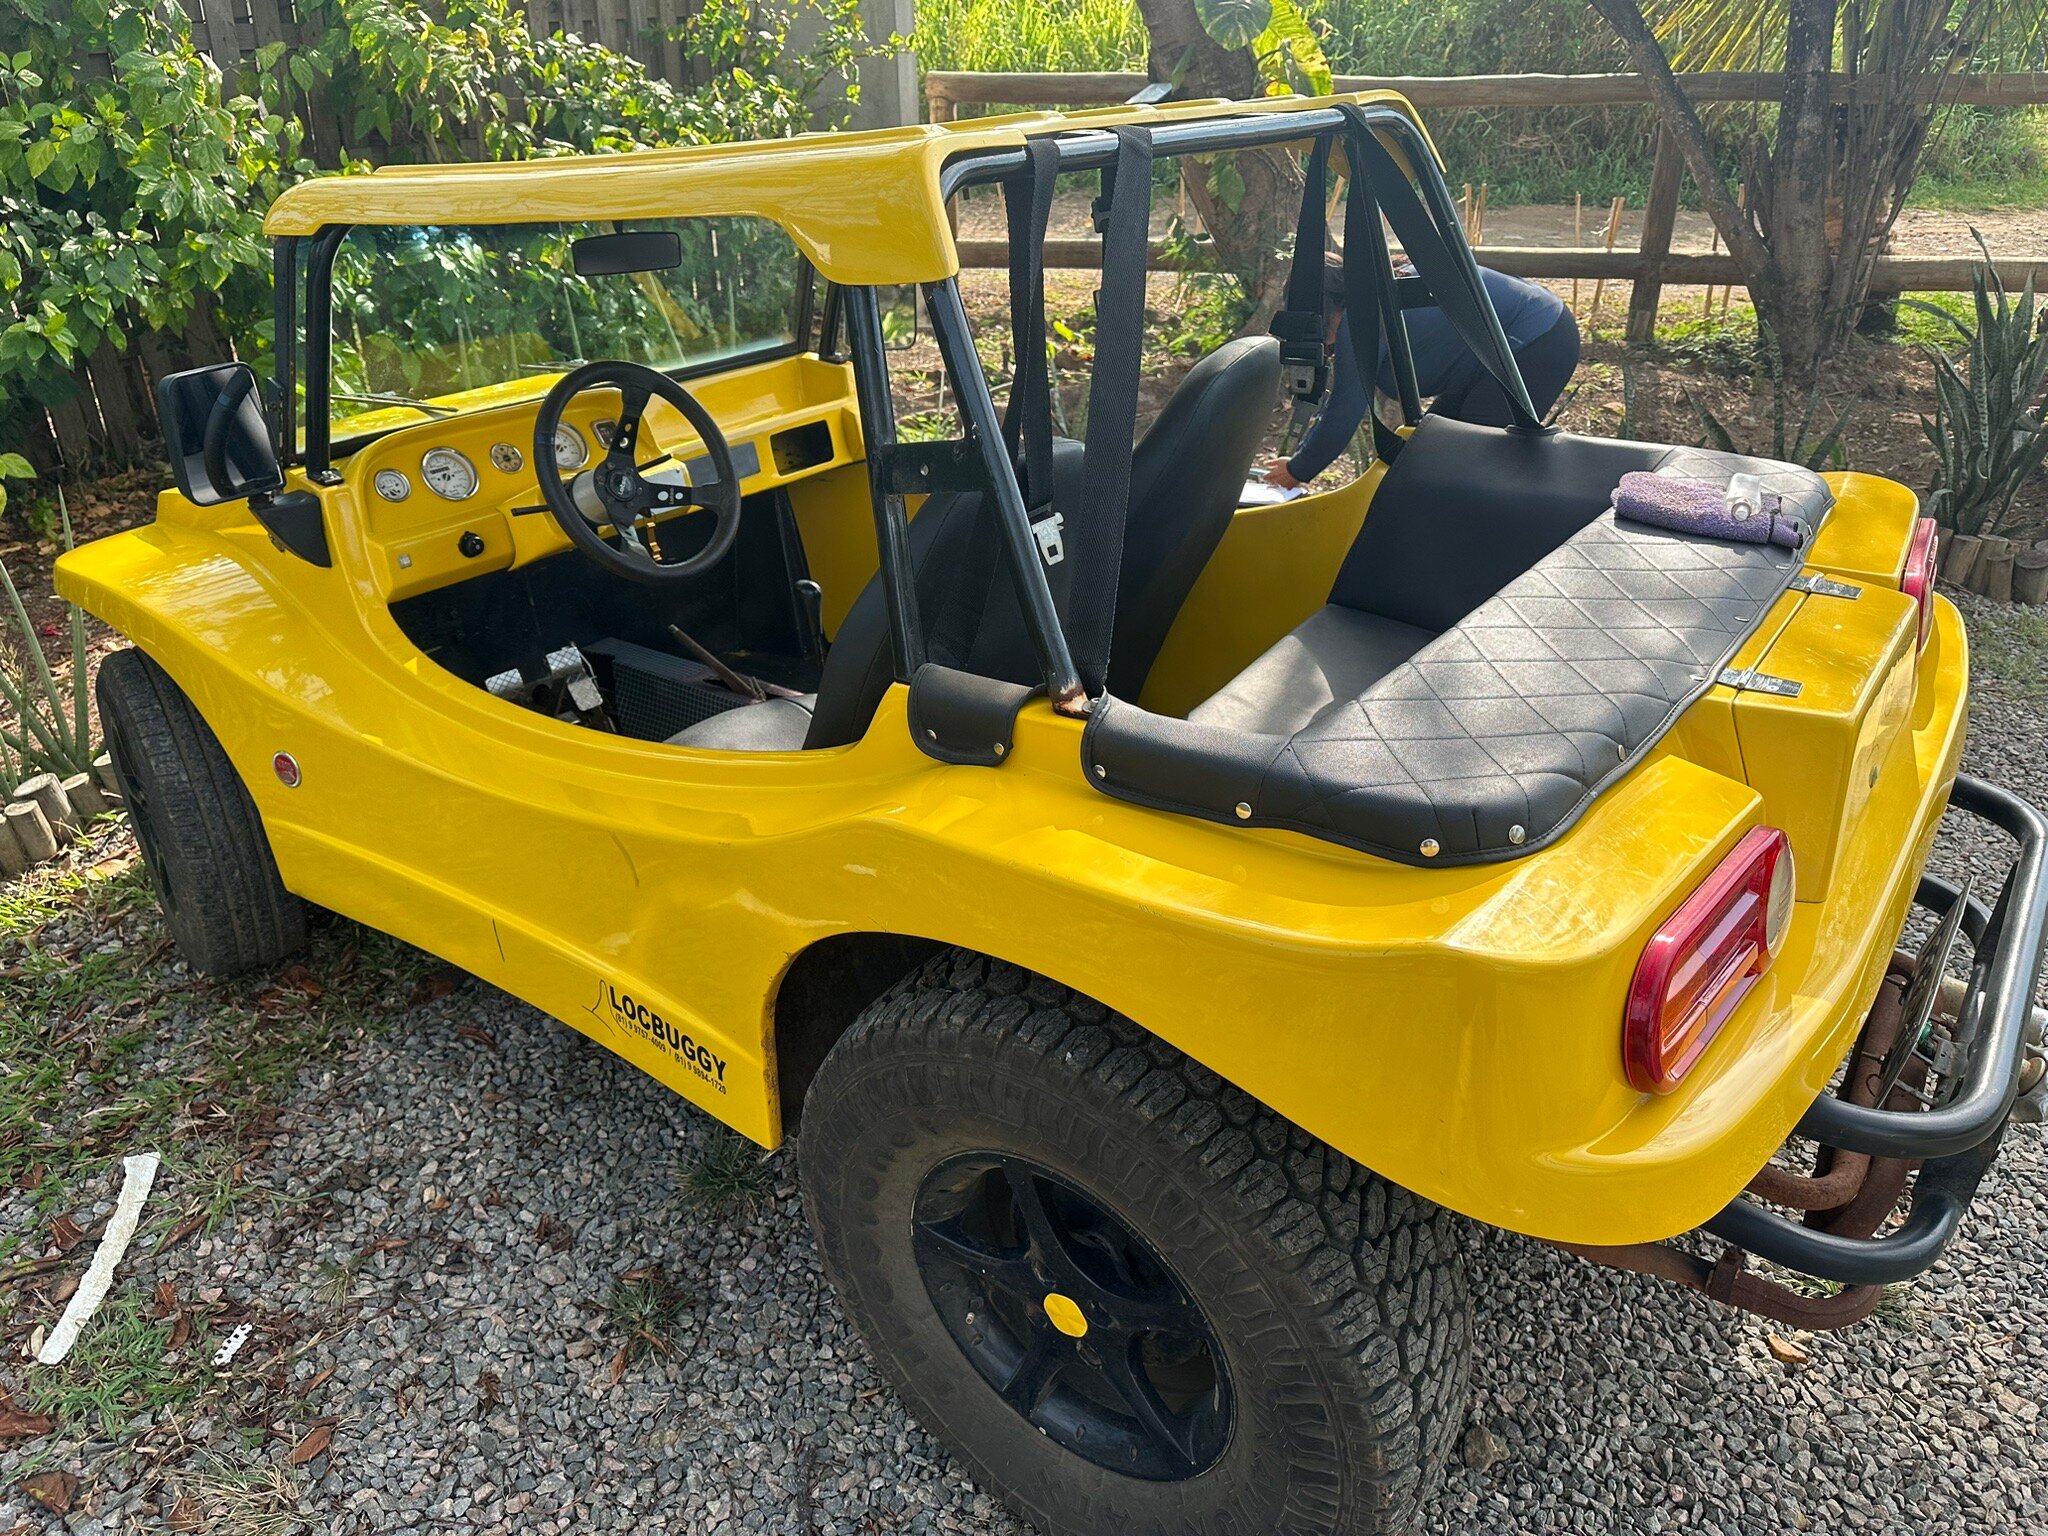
{"x": 316, "y": 255}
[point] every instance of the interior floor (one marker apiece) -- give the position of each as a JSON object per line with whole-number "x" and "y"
{"x": 545, "y": 635}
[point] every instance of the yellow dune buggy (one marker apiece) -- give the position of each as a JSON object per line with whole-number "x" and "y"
{"x": 1163, "y": 919}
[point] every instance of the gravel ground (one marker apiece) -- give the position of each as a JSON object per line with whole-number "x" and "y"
{"x": 427, "y": 1247}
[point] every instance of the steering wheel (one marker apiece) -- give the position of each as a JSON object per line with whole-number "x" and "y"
{"x": 627, "y": 493}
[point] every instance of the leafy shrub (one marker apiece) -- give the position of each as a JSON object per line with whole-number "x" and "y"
{"x": 134, "y": 177}
{"x": 132, "y": 188}
{"x": 1988, "y": 429}
{"x": 46, "y": 726}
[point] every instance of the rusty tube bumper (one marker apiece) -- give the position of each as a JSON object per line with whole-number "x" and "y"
{"x": 1956, "y": 1138}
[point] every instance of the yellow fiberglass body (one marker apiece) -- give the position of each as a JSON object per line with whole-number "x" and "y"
{"x": 1456, "y": 1030}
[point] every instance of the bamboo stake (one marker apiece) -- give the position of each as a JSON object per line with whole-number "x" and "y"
{"x": 1477, "y": 236}
{"x": 1713, "y": 246}
{"x": 1728, "y": 293}
{"x": 1613, "y": 232}
{"x": 1578, "y": 239}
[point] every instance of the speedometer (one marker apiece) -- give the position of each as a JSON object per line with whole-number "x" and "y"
{"x": 448, "y": 474}
{"x": 570, "y": 449}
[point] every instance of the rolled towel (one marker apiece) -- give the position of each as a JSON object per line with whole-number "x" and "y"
{"x": 1742, "y": 509}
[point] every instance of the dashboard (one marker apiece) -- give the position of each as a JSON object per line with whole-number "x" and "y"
{"x": 442, "y": 501}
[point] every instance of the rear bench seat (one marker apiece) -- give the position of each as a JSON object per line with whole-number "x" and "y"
{"x": 1495, "y": 651}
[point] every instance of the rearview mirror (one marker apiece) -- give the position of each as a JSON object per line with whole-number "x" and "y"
{"x": 630, "y": 250}
{"x": 215, "y": 435}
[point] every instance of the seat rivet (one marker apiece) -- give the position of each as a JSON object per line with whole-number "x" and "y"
{"x": 1430, "y": 848}
{"x": 1244, "y": 810}
{"x": 930, "y": 734}
{"x": 1101, "y": 772}
{"x": 1001, "y": 749}
{"x": 1516, "y": 833}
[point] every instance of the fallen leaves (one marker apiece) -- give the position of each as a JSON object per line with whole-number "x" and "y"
{"x": 17, "y": 1425}
{"x": 55, "y": 1491}
{"x": 437, "y": 985}
{"x": 315, "y": 1444}
{"x": 186, "y": 1515}
{"x": 481, "y": 1037}
{"x": 65, "y": 1234}
{"x": 1785, "y": 1351}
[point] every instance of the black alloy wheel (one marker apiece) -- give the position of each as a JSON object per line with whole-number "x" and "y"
{"x": 1071, "y": 1317}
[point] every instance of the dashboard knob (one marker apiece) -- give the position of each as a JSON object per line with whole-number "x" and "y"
{"x": 471, "y": 544}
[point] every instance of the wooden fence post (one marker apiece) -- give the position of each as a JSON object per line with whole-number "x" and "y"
{"x": 1660, "y": 216}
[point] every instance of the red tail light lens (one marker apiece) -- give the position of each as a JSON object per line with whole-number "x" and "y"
{"x": 1704, "y": 960}
{"x": 1916, "y": 580}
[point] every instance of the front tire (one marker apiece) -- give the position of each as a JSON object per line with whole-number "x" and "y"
{"x": 1296, "y": 1328}
{"x": 200, "y": 835}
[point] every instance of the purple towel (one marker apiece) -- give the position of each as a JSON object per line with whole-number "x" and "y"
{"x": 1741, "y": 509}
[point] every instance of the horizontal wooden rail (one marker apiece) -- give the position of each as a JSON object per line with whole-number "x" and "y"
{"x": 948, "y": 89}
{"x": 1892, "y": 274}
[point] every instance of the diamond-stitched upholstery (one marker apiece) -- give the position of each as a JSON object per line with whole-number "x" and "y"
{"x": 1493, "y": 737}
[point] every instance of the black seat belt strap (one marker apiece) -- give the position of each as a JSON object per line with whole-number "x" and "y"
{"x": 1365, "y": 258}
{"x": 1303, "y": 326}
{"x": 1027, "y": 419}
{"x": 1112, "y": 410}
{"x": 1452, "y": 276}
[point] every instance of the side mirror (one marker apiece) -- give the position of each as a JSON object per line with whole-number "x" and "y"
{"x": 215, "y": 434}
{"x": 902, "y": 316}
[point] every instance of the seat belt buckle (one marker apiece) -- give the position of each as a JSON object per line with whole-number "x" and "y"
{"x": 1047, "y": 527}
{"x": 1304, "y": 357}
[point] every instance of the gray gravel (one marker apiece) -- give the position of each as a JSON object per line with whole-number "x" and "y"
{"x": 469, "y": 1372}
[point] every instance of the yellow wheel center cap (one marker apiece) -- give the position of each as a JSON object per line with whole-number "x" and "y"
{"x": 1065, "y": 1315}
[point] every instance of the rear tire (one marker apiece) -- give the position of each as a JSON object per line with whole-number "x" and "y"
{"x": 1335, "y": 1301}
{"x": 201, "y": 837}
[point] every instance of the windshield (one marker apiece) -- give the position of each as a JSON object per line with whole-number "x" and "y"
{"x": 434, "y": 321}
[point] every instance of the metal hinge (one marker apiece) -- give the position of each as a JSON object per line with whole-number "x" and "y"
{"x": 1824, "y": 586}
{"x": 1750, "y": 680}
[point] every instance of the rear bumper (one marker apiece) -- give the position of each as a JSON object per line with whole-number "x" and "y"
{"x": 1954, "y": 1141}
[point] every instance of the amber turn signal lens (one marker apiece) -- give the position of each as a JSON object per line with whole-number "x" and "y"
{"x": 1702, "y": 962}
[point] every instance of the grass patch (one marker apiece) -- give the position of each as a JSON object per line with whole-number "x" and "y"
{"x": 727, "y": 1173}
{"x": 647, "y": 1310}
{"x": 2009, "y": 652}
{"x": 107, "y": 1048}
{"x": 243, "y": 1494}
{"x": 122, "y": 1367}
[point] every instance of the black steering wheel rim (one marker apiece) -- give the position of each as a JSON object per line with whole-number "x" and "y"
{"x": 629, "y": 500}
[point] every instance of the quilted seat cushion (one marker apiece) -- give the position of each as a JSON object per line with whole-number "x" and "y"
{"x": 1491, "y": 739}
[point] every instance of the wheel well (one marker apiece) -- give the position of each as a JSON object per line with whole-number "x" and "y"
{"x": 824, "y": 990}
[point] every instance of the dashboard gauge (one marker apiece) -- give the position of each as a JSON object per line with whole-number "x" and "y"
{"x": 507, "y": 458}
{"x": 392, "y": 485}
{"x": 571, "y": 452}
{"x": 602, "y": 431}
{"x": 448, "y": 474}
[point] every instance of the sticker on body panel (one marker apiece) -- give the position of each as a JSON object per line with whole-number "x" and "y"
{"x": 628, "y": 1014}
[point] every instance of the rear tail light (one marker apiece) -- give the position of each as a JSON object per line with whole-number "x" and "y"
{"x": 1916, "y": 580}
{"x": 1706, "y": 957}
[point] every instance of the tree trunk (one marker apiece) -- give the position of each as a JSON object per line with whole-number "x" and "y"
{"x": 1798, "y": 205}
{"x": 1253, "y": 234}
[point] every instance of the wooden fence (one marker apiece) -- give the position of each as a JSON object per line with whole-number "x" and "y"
{"x": 1647, "y": 268}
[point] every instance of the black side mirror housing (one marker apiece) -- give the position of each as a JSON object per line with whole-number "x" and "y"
{"x": 215, "y": 434}
{"x": 218, "y": 442}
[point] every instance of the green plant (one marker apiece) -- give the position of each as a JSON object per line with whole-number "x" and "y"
{"x": 1793, "y": 443}
{"x": 1988, "y": 427}
{"x": 52, "y": 729}
{"x": 726, "y": 1173}
{"x": 132, "y": 188}
{"x": 647, "y": 1309}
{"x": 122, "y": 1366}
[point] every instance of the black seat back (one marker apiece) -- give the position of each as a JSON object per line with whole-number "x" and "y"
{"x": 1466, "y": 509}
{"x": 1186, "y": 475}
